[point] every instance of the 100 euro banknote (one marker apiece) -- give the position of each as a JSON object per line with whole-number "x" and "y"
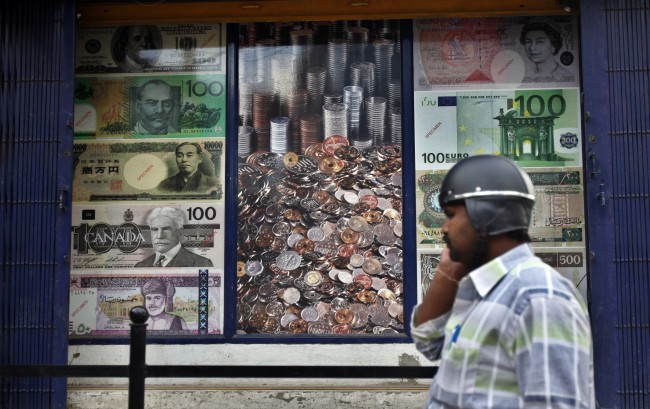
{"x": 179, "y": 302}
{"x": 121, "y": 237}
{"x": 535, "y": 128}
{"x": 558, "y": 216}
{"x": 139, "y": 170}
{"x": 145, "y": 106}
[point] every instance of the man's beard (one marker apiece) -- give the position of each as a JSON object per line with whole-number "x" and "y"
{"x": 479, "y": 253}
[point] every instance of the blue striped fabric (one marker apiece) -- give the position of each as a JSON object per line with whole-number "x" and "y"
{"x": 521, "y": 338}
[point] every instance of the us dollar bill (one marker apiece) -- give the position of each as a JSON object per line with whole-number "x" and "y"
{"x": 496, "y": 52}
{"x": 558, "y": 216}
{"x": 151, "y": 48}
{"x": 535, "y": 128}
{"x": 145, "y": 170}
{"x": 146, "y": 106}
{"x": 570, "y": 263}
{"x": 127, "y": 236}
{"x": 180, "y": 302}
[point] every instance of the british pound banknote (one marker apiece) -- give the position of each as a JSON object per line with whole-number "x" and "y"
{"x": 127, "y": 236}
{"x": 558, "y": 216}
{"x": 145, "y": 170}
{"x": 179, "y": 302}
{"x": 570, "y": 263}
{"x": 146, "y": 106}
{"x": 151, "y": 48}
{"x": 535, "y": 128}
{"x": 496, "y": 52}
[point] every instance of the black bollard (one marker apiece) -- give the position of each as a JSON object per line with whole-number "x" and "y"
{"x": 137, "y": 357}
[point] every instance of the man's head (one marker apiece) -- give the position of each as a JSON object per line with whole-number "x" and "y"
{"x": 154, "y": 104}
{"x": 157, "y": 296}
{"x": 166, "y": 226}
{"x": 137, "y": 40}
{"x": 188, "y": 158}
{"x": 484, "y": 196}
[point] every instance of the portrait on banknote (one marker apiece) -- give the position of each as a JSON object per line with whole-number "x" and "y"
{"x": 150, "y": 106}
{"x": 179, "y": 302}
{"x": 166, "y": 48}
{"x": 126, "y": 236}
{"x": 496, "y": 52}
{"x": 136, "y": 48}
{"x": 156, "y": 169}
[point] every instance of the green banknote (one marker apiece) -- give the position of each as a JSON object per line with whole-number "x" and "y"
{"x": 558, "y": 216}
{"x": 145, "y": 170}
{"x": 535, "y": 128}
{"x": 179, "y": 302}
{"x": 145, "y": 106}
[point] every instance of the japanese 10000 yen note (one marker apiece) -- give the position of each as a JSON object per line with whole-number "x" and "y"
{"x": 150, "y": 106}
{"x": 179, "y": 302}
{"x": 117, "y": 236}
{"x": 496, "y": 53}
{"x": 558, "y": 216}
{"x": 535, "y": 128}
{"x": 144, "y": 170}
{"x": 570, "y": 263}
{"x": 151, "y": 48}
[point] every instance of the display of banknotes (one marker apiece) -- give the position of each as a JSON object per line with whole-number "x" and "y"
{"x": 145, "y": 170}
{"x": 570, "y": 263}
{"x": 179, "y": 302}
{"x": 558, "y": 216}
{"x": 151, "y": 48}
{"x": 535, "y": 128}
{"x": 496, "y": 52}
{"x": 146, "y": 106}
{"x": 127, "y": 236}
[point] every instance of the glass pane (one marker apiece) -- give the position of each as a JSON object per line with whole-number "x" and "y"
{"x": 320, "y": 199}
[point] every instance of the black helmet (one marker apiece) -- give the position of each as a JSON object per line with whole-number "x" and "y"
{"x": 498, "y": 195}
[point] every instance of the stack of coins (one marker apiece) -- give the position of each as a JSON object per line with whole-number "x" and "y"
{"x": 316, "y": 88}
{"x": 319, "y": 241}
{"x": 357, "y": 43}
{"x": 384, "y": 50}
{"x": 353, "y": 98}
{"x": 395, "y": 122}
{"x": 244, "y": 141}
{"x": 337, "y": 62}
{"x": 335, "y": 119}
{"x": 376, "y": 108}
{"x": 264, "y": 50}
{"x": 279, "y": 134}
{"x": 264, "y": 108}
{"x": 362, "y": 74}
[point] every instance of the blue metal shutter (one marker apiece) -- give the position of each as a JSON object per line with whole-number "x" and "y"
{"x": 616, "y": 61}
{"x": 36, "y": 69}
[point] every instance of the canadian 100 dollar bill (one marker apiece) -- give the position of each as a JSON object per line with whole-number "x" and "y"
{"x": 151, "y": 48}
{"x": 146, "y": 106}
{"x": 126, "y": 236}
{"x": 179, "y": 302}
{"x": 558, "y": 216}
{"x": 145, "y": 170}
{"x": 535, "y": 128}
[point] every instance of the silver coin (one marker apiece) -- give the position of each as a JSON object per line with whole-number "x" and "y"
{"x": 253, "y": 268}
{"x": 309, "y": 314}
{"x": 288, "y": 260}
{"x": 287, "y": 319}
{"x": 291, "y": 295}
{"x": 315, "y": 234}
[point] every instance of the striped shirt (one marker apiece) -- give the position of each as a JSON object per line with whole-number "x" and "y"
{"x": 518, "y": 335}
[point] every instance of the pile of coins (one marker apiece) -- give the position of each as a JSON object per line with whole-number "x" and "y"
{"x": 319, "y": 241}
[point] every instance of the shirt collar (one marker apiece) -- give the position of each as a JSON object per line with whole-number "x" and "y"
{"x": 488, "y": 275}
{"x": 171, "y": 253}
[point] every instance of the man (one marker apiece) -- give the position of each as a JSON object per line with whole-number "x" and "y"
{"x": 154, "y": 105}
{"x": 158, "y": 300}
{"x": 510, "y": 332}
{"x": 189, "y": 177}
{"x": 134, "y": 49}
{"x": 166, "y": 226}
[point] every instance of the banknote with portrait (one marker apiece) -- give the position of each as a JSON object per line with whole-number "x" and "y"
{"x": 570, "y": 263}
{"x": 558, "y": 216}
{"x": 151, "y": 48}
{"x": 145, "y": 170}
{"x": 535, "y": 128}
{"x": 127, "y": 236}
{"x": 150, "y": 106}
{"x": 496, "y": 53}
{"x": 178, "y": 302}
